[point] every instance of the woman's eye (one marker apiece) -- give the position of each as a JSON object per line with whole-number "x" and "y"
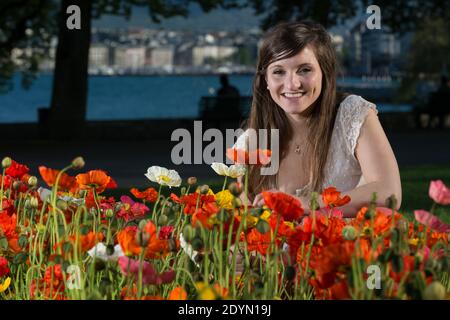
{"x": 278, "y": 72}
{"x": 305, "y": 70}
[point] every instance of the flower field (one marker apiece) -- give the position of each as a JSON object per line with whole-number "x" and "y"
{"x": 62, "y": 238}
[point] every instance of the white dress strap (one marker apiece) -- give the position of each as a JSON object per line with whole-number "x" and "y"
{"x": 351, "y": 116}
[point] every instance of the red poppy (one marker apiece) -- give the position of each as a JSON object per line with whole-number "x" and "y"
{"x": 257, "y": 241}
{"x": 257, "y": 157}
{"x": 66, "y": 182}
{"x": 149, "y": 195}
{"x": 6, "y": 180}
{"x": 331, "y": 198}
{"x": 287, "y": 206}
{"x": 4, "y": 270}
{"x": 16, "y": 170}
{"x": 192, "y": 202}
{"x": 330, "y": 262}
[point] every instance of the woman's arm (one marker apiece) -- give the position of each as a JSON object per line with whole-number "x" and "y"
{"x": 378, "y": 165}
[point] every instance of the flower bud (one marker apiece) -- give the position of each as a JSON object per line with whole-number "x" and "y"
{"x": 349, "y": 233}
{"x": 434, "y": 291}
{"x": 204, "y": 189}
{"x": 262, "y": 226}
{"x": 162, "y": 220}
{"x": 78, "y": 163}
{"x": 142, "y": 224}
{"x": 403, "y": 226}
{"x": 235, "y": 189}
{"x": 188, "y": 233}
{"x": 142, "y": 238}
{"x": 27, "y": 204}
{"x": 6, "y": 162}
{"x": 237, "y": 202}
{"x": 191, "y": 181}
{"x": 34, "y": 202}
{"x": 391, "y": 202}
{"x": 109, "y": 213}
{"x": 16, "y": 185}
{"x": 32, "y": 181}
{"x": 61, "y": 204}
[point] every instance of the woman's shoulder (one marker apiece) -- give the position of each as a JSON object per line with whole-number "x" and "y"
{"x": 354, "y": 104}
{"x": 352, "y": 112}
{"x": 353, "y": 101}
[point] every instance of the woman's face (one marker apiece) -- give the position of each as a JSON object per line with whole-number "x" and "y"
{"x": 295, "y": 83}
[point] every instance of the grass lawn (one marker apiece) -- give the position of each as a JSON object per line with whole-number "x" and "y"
{"x": 415, "y": 184}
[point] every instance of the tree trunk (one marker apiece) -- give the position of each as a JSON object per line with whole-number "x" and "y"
{"x": 70, "y": 82}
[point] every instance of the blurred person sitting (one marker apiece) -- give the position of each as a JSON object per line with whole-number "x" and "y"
{"x": 228, "y": 99}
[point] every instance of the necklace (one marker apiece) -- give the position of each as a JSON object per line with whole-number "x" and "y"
{"x": 297, "y": 149}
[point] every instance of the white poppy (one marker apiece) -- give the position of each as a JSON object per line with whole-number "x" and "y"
{"x": 163, "y": 176}
{"x": 100, "y": 252}
{"x": 187, "y": 248}
{"x": 233, "y": 171}
{"x": 45, "y": 195}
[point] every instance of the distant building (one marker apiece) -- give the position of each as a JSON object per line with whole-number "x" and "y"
{"x": 201, "y": 54}
{"x": 160, "y": 56}
{"x": 99, "y": 56}
{"x": 131, "y": 58}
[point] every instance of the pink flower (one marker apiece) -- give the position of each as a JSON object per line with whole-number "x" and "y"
{"x": 149, "y": 275}
{"x": 427, "y": 219}
{"x": 131, "y": 209}
{"x": 439, "y": 192}
{"x": 166, "y": 232}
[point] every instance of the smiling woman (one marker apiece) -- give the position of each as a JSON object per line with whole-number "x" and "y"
{"x": 326, "y": 138}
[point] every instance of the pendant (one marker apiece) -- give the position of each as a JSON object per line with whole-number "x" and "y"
{"x": 297, "y": 149}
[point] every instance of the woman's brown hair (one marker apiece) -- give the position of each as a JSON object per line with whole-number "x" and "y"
{"x": 284, "y": 41}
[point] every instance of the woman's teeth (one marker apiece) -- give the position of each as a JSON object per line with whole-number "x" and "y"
{"x": 293, "y": 95}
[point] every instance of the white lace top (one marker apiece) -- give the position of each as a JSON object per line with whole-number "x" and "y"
{"x": 342, "y": 169}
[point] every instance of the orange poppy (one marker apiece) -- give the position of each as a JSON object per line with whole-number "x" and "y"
{"x": 284, "y": 204}
{"x": 127, "y": 241}
{"x": 178, "y": 293}
{"x": 382, "y": 223}
{"x": 66, "y": 182}
{"x": 257, "y": 157}
{"x": 155, "y": 249}
{"x": 97, "y": 179}
{"x": 87, "y": 241}
{"x": 332, "y": 198}
{"x": 149, "y": 194}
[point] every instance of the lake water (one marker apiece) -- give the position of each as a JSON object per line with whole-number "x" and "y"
{"x": 129, "y": 97}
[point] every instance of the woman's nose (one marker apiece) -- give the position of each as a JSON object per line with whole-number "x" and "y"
{"x": 292, "y": 82}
